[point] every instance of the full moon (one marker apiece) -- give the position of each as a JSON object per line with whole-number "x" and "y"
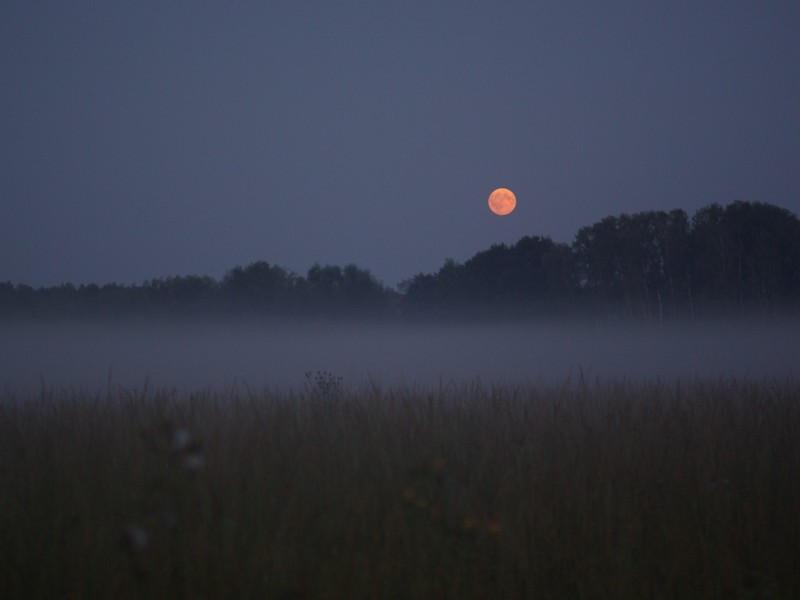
{"x": 502, "y": 201}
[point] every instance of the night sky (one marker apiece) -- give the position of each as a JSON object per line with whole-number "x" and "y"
{"x": 148, "y": 139}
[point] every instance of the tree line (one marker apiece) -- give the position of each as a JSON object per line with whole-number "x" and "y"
{"x": 741, "y": 259}
{"x": 259, "y": 288}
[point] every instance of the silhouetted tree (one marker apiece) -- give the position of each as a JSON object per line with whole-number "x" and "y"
{"x": 746, "y": 256}
{"x": 259, "y": 287}
{"x": 636, "y": 264}
{"x": 324, "y": 287}
{"x": 362, "y": 293}
{"x": 352, "y": 290}
{"x": 520, "y": 279}
{"x": 525, "y": 278}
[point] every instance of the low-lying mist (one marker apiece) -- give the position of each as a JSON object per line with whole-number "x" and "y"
{"x": 261, "y": 353}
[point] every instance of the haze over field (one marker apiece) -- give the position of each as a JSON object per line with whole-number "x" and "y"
{"x": 258, "y": 353}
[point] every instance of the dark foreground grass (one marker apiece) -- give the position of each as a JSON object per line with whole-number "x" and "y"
{"x": 584, "y": 490}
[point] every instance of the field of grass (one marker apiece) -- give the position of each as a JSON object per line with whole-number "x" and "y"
{"x": 587, "y": 489}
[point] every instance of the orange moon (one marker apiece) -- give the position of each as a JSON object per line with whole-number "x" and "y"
{"x": 502, "y": 201}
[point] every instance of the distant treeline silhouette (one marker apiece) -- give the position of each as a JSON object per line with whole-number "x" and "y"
{"x": 741, "y": 259}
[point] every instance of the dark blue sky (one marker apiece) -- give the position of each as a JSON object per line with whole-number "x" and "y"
{"x": 145, "y": 139}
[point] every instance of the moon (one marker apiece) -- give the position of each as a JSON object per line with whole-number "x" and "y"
{"x": 502, "y": 201}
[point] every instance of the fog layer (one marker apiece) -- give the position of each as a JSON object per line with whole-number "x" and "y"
{"x": 274, "y": 354}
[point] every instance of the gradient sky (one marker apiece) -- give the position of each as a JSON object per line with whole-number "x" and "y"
{"x": 147, "y": 139}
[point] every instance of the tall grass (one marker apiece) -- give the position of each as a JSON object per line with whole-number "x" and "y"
{"x": 582, "y": 490}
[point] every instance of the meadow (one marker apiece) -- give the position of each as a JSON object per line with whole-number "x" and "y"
{"x": 587, "y": 488}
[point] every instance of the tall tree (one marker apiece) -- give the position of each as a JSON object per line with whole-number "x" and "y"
{"x": 746, "y": 256}
{"x": 259, "y": 287}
